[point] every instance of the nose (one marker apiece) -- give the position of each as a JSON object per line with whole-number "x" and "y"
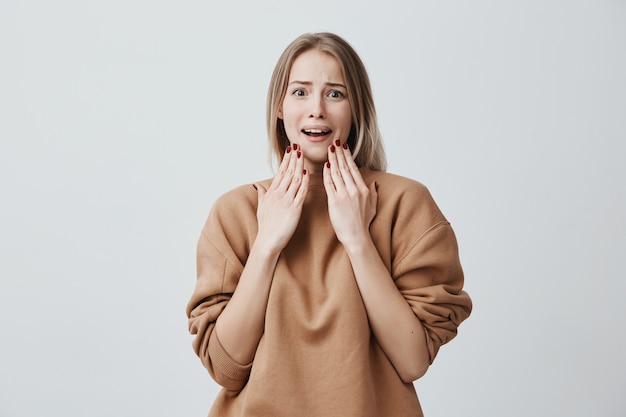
{"x": 318, "y": 110}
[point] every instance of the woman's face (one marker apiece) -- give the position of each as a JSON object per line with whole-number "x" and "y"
{"x": 316, "y": 110}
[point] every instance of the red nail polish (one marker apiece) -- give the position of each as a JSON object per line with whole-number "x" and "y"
{"x": 332, "y": 148}
{"x": 295, "y": 146}
{"x": 337, "y": 142}
{"x": 327, "y": 164}
{"x": 299, "y": 154}
{"x": 304, "y": 172}
{"x": 288, "y": 149}
{"x": 345, "y": 146}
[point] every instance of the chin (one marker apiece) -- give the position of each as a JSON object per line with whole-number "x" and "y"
{"x": 317, "y": 154}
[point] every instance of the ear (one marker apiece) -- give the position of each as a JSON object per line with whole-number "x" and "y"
{"x": 279, "y": 113}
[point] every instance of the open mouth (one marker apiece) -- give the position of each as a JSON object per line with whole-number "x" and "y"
{"x": 316, "y": 132}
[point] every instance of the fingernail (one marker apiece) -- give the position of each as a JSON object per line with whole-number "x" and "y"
{"x": 332, "y": 148}
{"x": 295, "y": 146}
{"x": 327, "y": 164}
{"x": 304, "y": 172}
{"x": 345, "y": 146}
{"x": 288, "y": 149}
{"x": 299, "y": 154}
{"x": 254, "y": 186}
{"x": 337, "y": 142}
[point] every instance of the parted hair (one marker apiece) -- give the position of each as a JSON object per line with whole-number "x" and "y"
{"x": 364, "y": 140}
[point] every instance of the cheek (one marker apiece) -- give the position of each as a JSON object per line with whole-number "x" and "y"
{"x": 288, "y": 113}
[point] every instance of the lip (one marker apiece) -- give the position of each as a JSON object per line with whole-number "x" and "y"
{"x": 314, "y": 127}
{"x": 316, "y": 139}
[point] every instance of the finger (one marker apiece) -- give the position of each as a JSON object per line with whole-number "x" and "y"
{"x": 302, "y": 190}
{"x": 328, "y": 181}
{"x": 289, "y": 171}
{"x": 260, "y": 190}
{"x": 296, "y": 181}
{"x": 373, "y": 194}
{"x": 335, "y": 173}
{"x": 282, "y": 169}
{"x": 353, "y": 168}
{"x": 343, "y": 159}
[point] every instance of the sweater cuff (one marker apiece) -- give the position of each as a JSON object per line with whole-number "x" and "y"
{"x": 225, "y": 365}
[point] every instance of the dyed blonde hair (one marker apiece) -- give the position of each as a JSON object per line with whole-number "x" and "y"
{"x": 364, "y": 139}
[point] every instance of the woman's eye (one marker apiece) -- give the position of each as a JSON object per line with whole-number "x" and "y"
{"x": 298, "y": 92}
{"x": 335, "y": 94}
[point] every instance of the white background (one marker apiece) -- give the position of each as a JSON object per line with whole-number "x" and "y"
{"x": 121, "y": 121}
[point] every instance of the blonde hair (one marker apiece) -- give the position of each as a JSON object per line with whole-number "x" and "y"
{"x": 364, "y": 139}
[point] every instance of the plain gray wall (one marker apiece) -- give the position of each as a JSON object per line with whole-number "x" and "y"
{"x": 122, "y": 121}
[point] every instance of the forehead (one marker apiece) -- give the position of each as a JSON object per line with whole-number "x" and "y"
{"x": 315, "y": 65}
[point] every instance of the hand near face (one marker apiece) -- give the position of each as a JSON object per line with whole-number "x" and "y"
{"x": 280, "y": 206}
{"x": 351, "y": 203}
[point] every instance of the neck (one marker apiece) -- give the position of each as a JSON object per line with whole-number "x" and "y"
{"x": 314, "y": 168}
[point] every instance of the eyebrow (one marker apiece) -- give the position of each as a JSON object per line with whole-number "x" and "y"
{"x": 310, "y": 83}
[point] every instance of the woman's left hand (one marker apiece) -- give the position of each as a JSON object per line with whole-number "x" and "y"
{"x": 351, "y": 203}
{"x": 352, "y": 207}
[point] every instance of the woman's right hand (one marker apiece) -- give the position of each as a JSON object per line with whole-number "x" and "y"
{"x": 280, "y": 206}
{"x": 241, "y": 325}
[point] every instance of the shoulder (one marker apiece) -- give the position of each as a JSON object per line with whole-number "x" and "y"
{"x": 398, "y": 190}
{"x": 237, "y": 197}
{"x": 235, "y": 208}
{"x": 396, "y": 183}
{"x": 241, "y": 197}
{"x": 405, "y": 206}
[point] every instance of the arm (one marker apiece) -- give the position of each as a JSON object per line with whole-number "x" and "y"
{"x": 240, "y": 326}
{"x": 352, "y": 206}
{"x": 397, "y": 329}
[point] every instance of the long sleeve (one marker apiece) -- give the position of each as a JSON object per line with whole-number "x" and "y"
{"x": 221, "y": 254}
{"x": 430, "y": 278}
{"x": 317, "y": 355}
{"x": 419, "y": 247}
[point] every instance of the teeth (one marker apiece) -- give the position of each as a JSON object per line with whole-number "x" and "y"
{"x": 315, "y": 131}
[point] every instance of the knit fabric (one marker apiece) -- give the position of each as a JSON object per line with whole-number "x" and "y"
{"x": 318, "y": 356}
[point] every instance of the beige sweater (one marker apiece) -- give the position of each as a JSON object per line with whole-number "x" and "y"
{"x": 318, "y": 356}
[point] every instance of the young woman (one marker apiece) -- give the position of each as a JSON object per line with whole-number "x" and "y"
{"x": 327, "y": 290}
